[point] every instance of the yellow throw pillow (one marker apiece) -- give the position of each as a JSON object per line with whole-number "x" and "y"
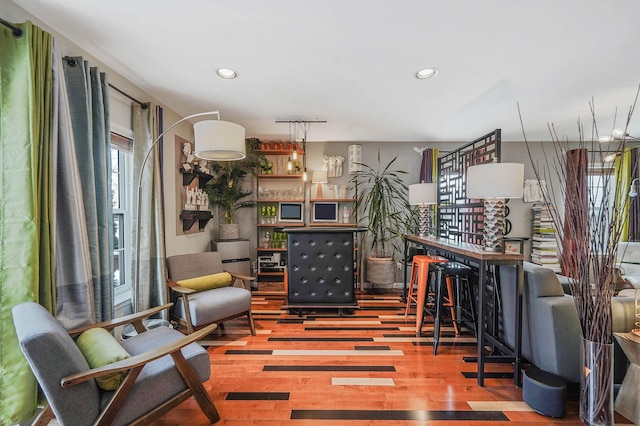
{"x": 207, "y": 282}
{"x": 100, "y": 348}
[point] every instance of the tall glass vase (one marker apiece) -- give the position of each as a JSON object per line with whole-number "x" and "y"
{"x": 596, "y": 383}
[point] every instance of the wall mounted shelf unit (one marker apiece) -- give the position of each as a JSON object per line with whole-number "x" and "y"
{"x": 277, "y": 188}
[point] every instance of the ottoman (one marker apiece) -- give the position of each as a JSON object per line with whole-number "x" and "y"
{"x": 546, "y": 393}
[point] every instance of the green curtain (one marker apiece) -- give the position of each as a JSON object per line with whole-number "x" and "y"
{"x": 87, "y": 91}
{"x": 150, "y": 286}
{"x": 623, "y": 180}
{"x": 26, "y": 210}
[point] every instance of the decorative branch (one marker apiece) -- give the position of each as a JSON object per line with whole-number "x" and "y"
{"x": 592, "y": 225}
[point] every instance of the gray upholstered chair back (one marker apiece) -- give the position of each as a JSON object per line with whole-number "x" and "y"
{"x": 52, "y": 354}
{"x": 185, "y": 266}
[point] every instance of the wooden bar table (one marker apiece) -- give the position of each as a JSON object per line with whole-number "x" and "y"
{"x": 474, "y": 256}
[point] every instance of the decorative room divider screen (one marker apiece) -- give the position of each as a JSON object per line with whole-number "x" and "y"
{"x": 459, "y": 218}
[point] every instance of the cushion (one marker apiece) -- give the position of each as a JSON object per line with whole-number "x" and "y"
{"x": 207, "y": 282}
{"x": 100, "y": 348}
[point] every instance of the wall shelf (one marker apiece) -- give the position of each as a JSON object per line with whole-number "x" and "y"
{"x": 332, "y": 225}
{"x": 280, "y": 176}
{"x": 338, "y": 200}
{"x": 189, "y": 176}
{"x": 189, "y": 217}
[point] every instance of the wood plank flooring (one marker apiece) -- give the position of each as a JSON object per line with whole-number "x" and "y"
{"x": 367, "y": 368}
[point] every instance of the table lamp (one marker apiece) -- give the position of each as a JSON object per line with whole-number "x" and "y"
{"x": 424, "y": 195}
{"x": 494, "y": 182}
{"x": 319, "y": 177}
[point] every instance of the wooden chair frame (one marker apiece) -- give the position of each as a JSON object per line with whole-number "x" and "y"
{"x": 133, "y": 366}
{"x": 185, "y": 292}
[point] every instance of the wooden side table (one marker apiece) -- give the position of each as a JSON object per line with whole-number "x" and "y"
{"x": 628, "y": 399}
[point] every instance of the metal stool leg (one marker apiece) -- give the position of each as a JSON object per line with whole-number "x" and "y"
{"x": 410, "y": 297}
{"x": 423, "y": 276}
{"x": 439, "y": 284}
{"x": 451, "y": 304}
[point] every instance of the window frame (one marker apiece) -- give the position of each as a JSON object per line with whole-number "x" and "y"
{"x": 122, "y": 147}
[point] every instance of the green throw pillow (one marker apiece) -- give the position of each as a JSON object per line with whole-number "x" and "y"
{"x": 207, "y": 282}
{"x": 100, "y": 348}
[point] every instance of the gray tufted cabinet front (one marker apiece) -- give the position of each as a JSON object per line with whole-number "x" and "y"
{"x": 320, "y": 264}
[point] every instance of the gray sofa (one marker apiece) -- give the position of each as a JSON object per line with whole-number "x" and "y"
{"x": 550, "y": 327}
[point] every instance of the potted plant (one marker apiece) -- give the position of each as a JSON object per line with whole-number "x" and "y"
{"x": 382, "y": 201}
{"x": 226, "y": 190}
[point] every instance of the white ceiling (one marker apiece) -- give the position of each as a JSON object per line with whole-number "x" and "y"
{"x": 353, "y": 62}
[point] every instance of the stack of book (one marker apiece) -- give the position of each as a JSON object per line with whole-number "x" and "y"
{"x": 544, "y": 246}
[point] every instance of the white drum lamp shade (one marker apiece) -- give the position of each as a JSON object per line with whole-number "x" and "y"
{"x": 218, "y": 140}
{"x": 424, "y": 195}
{"x": 494, "y": 182}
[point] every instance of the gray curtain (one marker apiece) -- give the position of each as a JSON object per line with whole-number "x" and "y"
{"x": 87, "y": 90}
{"x": 74, "y": 284}
{"x": 150, "y": 282}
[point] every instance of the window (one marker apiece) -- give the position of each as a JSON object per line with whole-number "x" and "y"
{"x": 602, "y": 185}
{"x": 121, "y": 193}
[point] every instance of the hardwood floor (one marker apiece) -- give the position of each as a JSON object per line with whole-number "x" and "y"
{"x": 362, "y": 369}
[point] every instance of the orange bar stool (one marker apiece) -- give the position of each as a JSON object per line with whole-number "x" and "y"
{"x": 420, "y": 276}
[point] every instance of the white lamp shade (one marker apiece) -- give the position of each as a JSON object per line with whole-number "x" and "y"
{"x": 319, "y": 176}
{"x": 495, "y": 180}
{"x": 219, "y": 140}
{"x": 423, "y": 193}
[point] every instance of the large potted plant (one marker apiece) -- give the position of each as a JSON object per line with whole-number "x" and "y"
{"x": 226, "y": 190}
{"x": 384, "y": 210}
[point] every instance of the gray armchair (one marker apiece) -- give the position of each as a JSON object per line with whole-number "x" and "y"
{"x": 195, "y": 309}
{"x": 153, "y": 384}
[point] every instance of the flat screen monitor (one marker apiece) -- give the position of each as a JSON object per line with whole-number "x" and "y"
{"x": 325, "y": 211}
{"x": 291, "y": 212}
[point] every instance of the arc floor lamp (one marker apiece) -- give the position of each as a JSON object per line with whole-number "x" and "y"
{"x": 215, "y": 140}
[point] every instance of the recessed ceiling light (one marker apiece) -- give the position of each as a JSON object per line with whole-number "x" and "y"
{"x": 426, "y": 73}
{"x": 227, "y": 73}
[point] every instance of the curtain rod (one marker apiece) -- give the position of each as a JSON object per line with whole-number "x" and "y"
{"x": 142, "y": 104}
{"x": 17, "y": 32}
{"x": 72, "y": 62}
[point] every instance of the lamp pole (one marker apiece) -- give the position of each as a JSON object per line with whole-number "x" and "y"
{"x": 136, "y": 302}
